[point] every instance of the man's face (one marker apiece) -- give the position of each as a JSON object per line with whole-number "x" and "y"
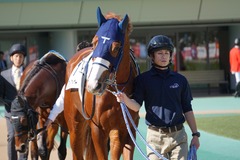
{"x": 17, "y": 59}
{"x": 162, "y": 57}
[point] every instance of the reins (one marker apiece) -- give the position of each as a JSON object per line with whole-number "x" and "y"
{"x": 83, "y": 97}
{"x": 126, "y": 116}
{"x": 50, "y": 70}
{"x": 110, "y": 82}
{"x": 33, "y": 132}
{"x": 32, "y": 119}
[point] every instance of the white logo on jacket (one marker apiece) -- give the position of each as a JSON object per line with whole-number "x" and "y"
{"x": 175, "y": 85}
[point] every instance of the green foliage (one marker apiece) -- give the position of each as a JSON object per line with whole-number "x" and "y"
{"x": 224, "y": 125}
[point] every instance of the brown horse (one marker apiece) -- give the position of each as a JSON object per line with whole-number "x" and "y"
{"x": 41, "y": 84}
{"x": 97, "y": 117}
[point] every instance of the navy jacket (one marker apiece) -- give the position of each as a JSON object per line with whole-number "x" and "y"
{"x": 166, "y": 94}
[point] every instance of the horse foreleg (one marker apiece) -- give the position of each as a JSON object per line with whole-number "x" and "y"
{"x": 42, "y": 147}
{"x": 62, "y": 149}
{"x": 115, "y": 145}
{"x": 76, "y": 141}
{"x": 34, "y": 150}
{"x": 51, "y": 133}
{"x": 128, "y": 149}
{"x": 121, "y": 143}
{"x": 100, "y": 143}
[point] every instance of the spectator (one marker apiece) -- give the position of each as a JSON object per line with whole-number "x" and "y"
{"x": 59, "y": 104}
{"x": 234, "y": 59}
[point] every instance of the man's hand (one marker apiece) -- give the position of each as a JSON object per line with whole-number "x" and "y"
{"x": 121, "y": 96}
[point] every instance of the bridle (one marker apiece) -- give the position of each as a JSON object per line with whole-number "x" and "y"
{"x": 49, "y": 69}
{"x": 27, "y": 112}
{"x": 111, "y": 82}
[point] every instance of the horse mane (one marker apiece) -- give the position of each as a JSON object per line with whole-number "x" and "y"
{"x": 110, "y": 15}
{"x": 82, "y": 45}
{"x": 29, "y": 76}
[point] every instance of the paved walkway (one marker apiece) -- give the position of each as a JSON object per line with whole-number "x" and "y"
{"x": 212, "y": 147}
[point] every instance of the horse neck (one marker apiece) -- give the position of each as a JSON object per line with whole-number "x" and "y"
{"x": 60, "y": 69}
{"x": 123, "y": 71}
{"x": 40, "y": 85}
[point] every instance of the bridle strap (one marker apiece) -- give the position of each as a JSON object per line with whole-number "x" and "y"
{"x": 53, "y": 73}
{"x": 113, "y": 82}
{"x": 21, "y": 133}
{"x": 84, "y": 114}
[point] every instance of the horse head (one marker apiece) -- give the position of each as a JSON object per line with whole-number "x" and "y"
{"x": 108, "y": 44}
{"x": 24, "y": 120}
{"x": 41, "y": 85}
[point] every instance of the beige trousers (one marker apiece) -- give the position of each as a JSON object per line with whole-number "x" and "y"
{"x": 173, "y": 146}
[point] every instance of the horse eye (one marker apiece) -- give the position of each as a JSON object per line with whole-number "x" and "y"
{"x": 23, "y": 121}
{"x": 115, "y": 49}
{"x": 44, "y": 105}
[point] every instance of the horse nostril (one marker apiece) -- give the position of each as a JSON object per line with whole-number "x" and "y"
{"x": 23, "y": 147}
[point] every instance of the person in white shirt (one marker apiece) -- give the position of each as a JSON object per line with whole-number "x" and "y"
{"x": 59, "y": 104}
{"x": 57, "y": 108}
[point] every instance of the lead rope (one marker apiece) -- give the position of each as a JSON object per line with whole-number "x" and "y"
{"x": 125, "y": 110}
{"x": 127, "y": 116}
{"x": 129, "y": 130}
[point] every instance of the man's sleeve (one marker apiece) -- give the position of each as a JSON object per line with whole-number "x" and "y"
{"x": 1, "y": 86}
{"x": 58, "y": 106}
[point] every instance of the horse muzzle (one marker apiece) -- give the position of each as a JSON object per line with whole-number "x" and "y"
{"x": 95, "y": 87}
{"x": 22, "y": 148}
{"x": 97, "y": 76}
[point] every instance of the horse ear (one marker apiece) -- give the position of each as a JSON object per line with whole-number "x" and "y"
{"x": 101, "y": 19}
{"x": 124, "y": 23}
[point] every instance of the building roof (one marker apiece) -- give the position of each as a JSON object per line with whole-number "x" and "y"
{"x": 34, "y": 14}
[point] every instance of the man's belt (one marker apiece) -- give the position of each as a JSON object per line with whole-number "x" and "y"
{"x": 166, "y": 129}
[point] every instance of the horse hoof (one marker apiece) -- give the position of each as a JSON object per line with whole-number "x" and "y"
{"x": 61, "y": 157}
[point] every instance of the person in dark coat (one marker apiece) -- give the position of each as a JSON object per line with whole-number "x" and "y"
{"x": 10, "y": 83}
